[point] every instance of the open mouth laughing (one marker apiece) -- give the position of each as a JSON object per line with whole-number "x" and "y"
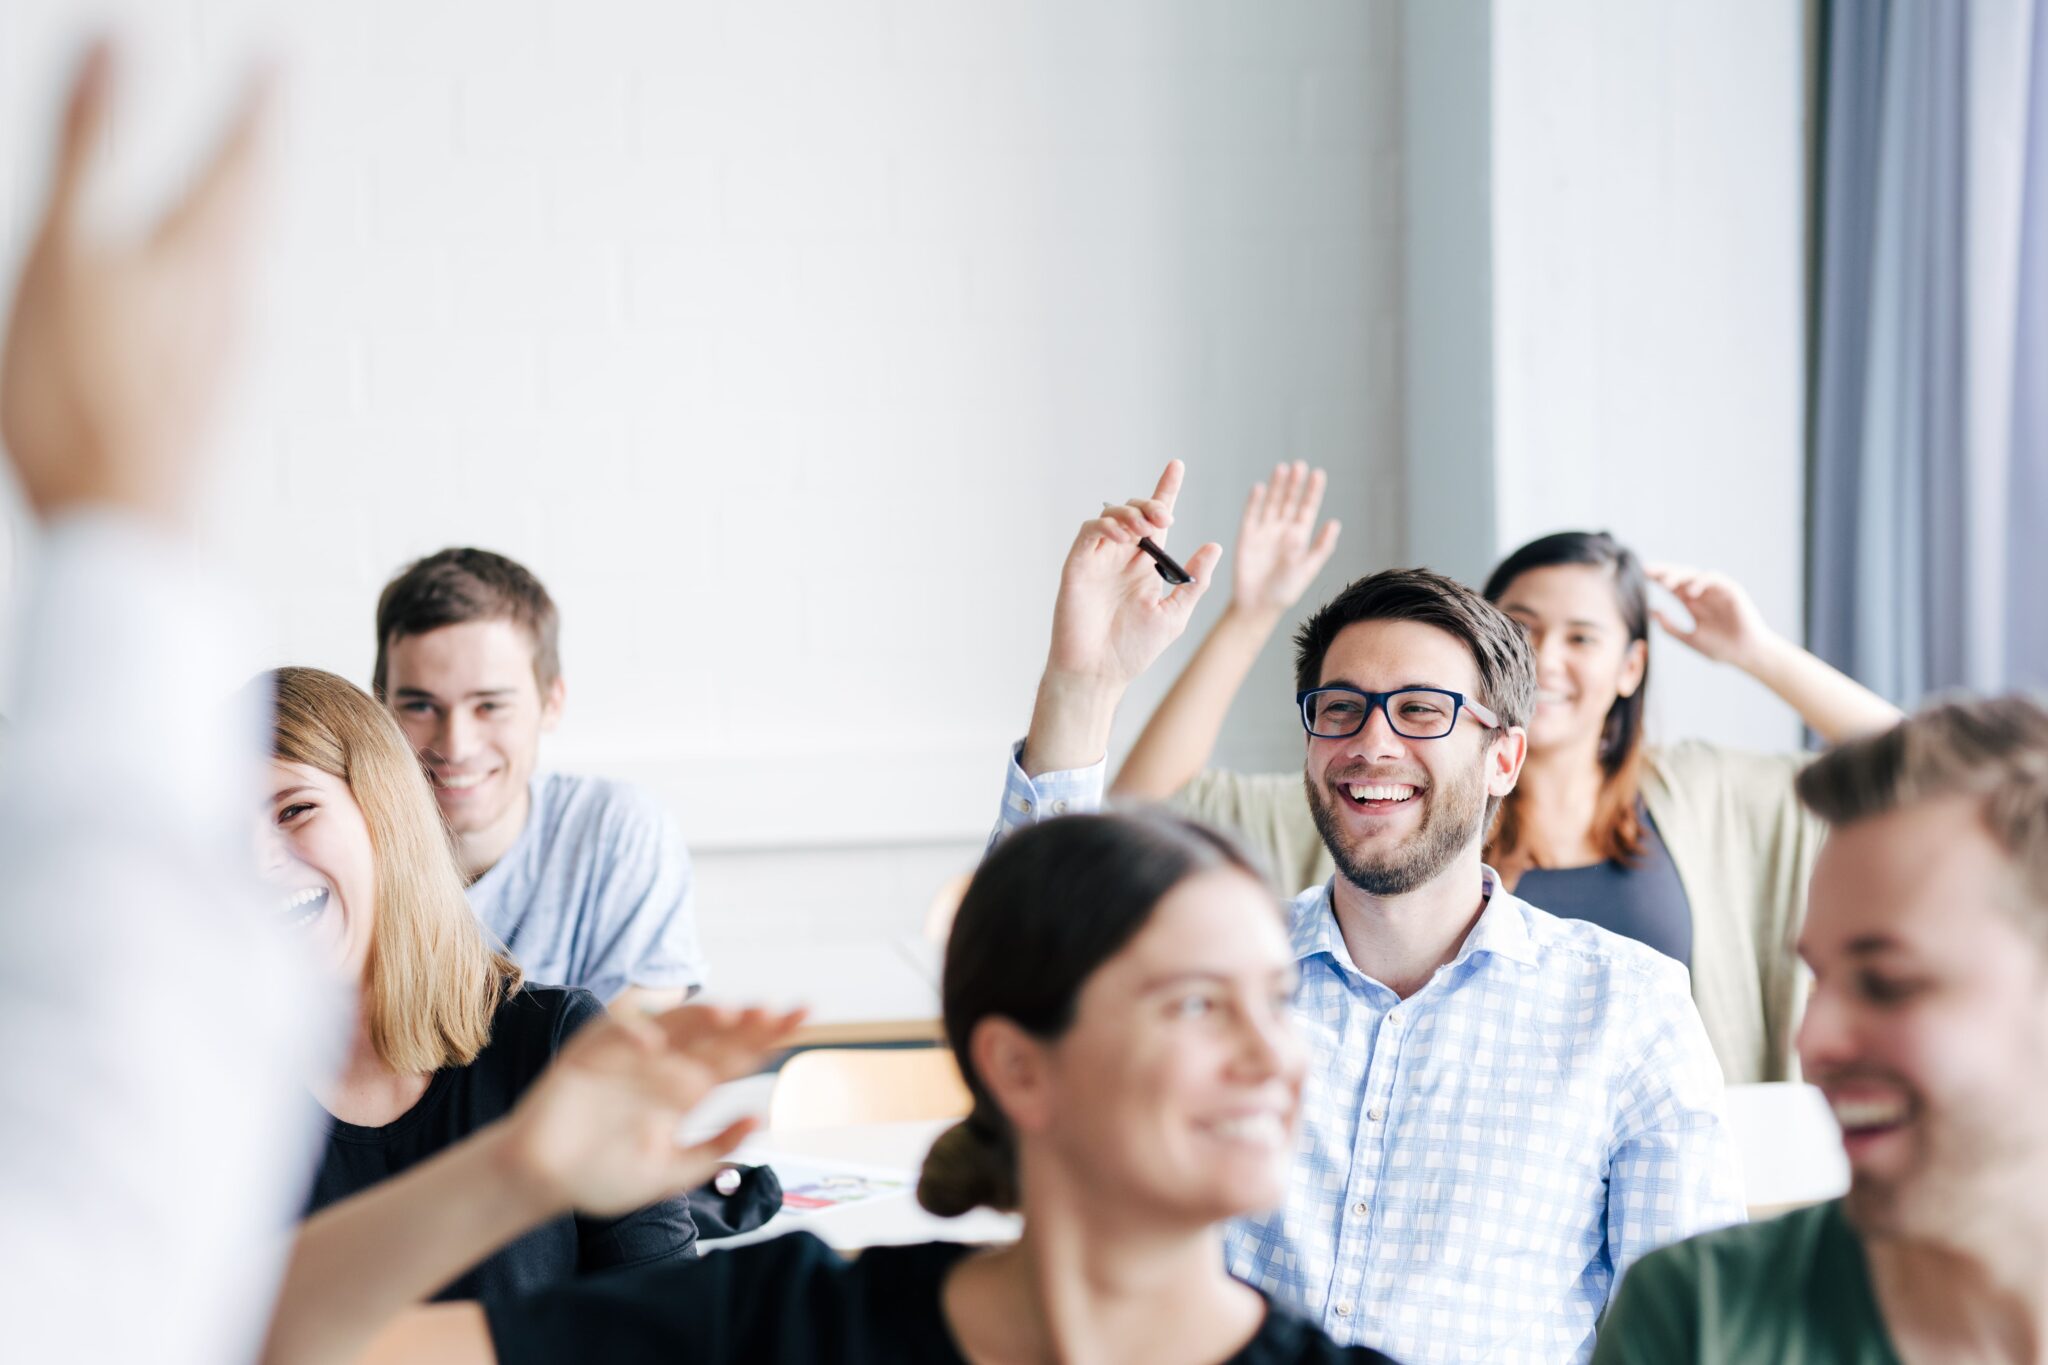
{"x": 304, "y": 906}
{"x": 1868, "y": 1119}
{"x": 1263, "y": 1130}
{"x": 1378, "y": 797}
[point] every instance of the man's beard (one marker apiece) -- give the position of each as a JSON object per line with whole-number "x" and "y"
{"x": 1450, "y": 821}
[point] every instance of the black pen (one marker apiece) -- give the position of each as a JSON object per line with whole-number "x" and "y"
{"x": 1168, "y": 569}
{"x": 1162, "y": 561}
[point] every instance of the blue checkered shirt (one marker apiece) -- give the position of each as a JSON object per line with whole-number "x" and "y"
{"x": 1478, "y": 1163}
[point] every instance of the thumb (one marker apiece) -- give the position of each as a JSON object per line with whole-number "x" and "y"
{"x": 1670, "y": 624}
{"x": 85, "y": 119}
{"x": 1320, "y": 548}
{"x": 217, "y": 204}
{"x": 1201, "y": 567}
{"x": 695, "y": 1164}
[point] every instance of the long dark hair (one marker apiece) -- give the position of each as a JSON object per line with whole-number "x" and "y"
{"x": 1047, "y": 908}
{"x": 1617, "y": 830}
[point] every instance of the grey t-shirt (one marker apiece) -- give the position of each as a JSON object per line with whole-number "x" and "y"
{"x": 596, "y": 892}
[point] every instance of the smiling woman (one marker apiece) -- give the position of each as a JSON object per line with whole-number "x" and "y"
{"x": 447, "y": 1037}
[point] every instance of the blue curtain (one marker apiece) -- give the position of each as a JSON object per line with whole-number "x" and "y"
{"x": 1926, "y": 567}
{"x": 2026, "y": 639}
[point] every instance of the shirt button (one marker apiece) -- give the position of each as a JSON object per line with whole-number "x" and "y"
{"x": 1395, "y": 1018}
{"x": 1344, "y": 1309}
{"x": 1373, "y": 1113}
{"x": 1059, "y": 808}
{"x": 1361, "y": 1208}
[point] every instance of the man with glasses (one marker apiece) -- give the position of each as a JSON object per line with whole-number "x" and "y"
{"x": 1504, "y": 1109}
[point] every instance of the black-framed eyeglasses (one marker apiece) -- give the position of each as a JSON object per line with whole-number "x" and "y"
{"x": 1412, "y": 712}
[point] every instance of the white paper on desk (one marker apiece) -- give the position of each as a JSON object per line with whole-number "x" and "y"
{"x": 812, "y": 1185}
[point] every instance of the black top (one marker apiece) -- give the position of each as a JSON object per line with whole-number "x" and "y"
{"x": 526, "y": 1033}
{"x": 793, "y": 1299}
{"x": 1645, "y": 902}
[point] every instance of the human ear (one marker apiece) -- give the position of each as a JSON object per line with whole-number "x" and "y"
{"x": 551, "y": 703}
{"x": 1011, "y": 1065}
{"x": 1504, "y": 760}
{"x": 1634, "y": 664}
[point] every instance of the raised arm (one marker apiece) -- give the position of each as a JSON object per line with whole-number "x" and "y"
{"x": 1279, "y": 552}
{"x": 141, "y": 983}
{"x": 596, "y": 1133}
{"x": 1728, "y": 629}
{"x": 1110, "y": 622}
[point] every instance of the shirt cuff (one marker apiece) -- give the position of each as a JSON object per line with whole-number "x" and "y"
{"x": 1027, "y": 799}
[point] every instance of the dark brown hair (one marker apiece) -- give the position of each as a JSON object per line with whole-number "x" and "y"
{"x": 1993, "y": 749}
{"x": 1617, "y": 831}
{"x": 1048, "y": 907}
{"x": 459, "y": 585}
{"x": 1499, "y": 647}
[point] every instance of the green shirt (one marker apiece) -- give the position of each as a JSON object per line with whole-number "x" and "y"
{"x": 1790, "y": 1290}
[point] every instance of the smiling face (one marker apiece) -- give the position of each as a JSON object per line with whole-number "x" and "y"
{"x": 1176, "y": 1087}
{"x": 1585, "y": 660}
{"x": 1928, "y": 1023}
{"x": 314, "y": 854}
{"x": 1397, "y": 812}
{"x": 468, "y": 701}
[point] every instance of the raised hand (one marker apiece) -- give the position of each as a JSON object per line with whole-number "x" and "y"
{"x": 117, "y": 349}
{"x": 1279, "y": 550}
{"x": 1111, "y": 619}
{"x": 597, "y": 1132}
{"x": 1727, "y": 627}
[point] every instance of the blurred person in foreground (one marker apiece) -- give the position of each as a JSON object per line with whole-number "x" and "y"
{"x": 138, "y": 986}
{"x": 1927, "y": 1029}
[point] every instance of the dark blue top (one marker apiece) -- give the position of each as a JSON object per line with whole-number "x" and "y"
{"x": 1645, "y": 902}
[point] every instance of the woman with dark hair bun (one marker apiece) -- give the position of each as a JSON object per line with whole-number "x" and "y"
{"x": 1117, "y": 992}
{"x": 1701, "y": 851}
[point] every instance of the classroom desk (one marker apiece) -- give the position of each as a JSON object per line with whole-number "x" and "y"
{"x": 893, "y": 1219}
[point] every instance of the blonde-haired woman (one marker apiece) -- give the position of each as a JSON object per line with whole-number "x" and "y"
{"x": 447, "y": 1037}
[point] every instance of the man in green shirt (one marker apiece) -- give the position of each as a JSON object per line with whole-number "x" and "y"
{"x": 1927, "y": 1028}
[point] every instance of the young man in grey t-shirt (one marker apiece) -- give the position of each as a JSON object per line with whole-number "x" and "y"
{"x": 585, "y": 880}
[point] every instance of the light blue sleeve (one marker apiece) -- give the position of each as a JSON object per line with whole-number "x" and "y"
{"x": 643, "y": 927}
{"x": 1673, "y": 1171}
{"x": 1027, "y": 799}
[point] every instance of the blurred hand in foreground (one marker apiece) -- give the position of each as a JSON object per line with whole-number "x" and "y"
{"x": 117, "y": 349}
{"x": 597, "y": 1132}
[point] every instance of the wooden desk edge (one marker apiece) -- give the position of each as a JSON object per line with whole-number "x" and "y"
{"x": 869, "y": 1031}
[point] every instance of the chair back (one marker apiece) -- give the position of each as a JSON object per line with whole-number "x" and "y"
{"x": 1790, "y": 1144}
{"x": 840, "y": 1086}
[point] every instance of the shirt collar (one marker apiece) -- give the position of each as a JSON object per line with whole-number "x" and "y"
{"x": 1502, "y": 928}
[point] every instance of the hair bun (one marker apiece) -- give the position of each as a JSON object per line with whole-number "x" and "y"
{"x": 968, "y": 1168}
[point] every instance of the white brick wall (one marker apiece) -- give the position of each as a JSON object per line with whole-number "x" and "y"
{"x": 787, "y": 340}
{"x": 1649, "y": 244}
